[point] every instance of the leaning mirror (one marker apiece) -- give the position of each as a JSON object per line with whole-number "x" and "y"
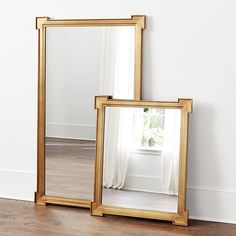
{"x": 141, "y": 159}
{"x": 79, "y": 59}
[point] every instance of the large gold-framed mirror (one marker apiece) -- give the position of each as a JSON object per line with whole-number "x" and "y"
{"x": 78, "y": 59}
{"x": 141, "y": 159}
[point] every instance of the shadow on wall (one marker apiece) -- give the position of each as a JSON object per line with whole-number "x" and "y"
{"x": 203, "y": 200}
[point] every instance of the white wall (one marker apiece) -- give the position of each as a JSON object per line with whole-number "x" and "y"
{"x": 189, "y": 51}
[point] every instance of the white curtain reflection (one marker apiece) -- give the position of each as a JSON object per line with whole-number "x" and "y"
{"x": 170, "y": 152}
{"x": 118, "y": 140}
{"x": 117, "y": 79}
{"x": 117, "y": 74}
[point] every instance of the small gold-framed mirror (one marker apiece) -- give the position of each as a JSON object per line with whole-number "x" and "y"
{"x": 141, "y": 159}
{"x": 78, "y": 59}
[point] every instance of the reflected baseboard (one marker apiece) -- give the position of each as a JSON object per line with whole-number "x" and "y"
{"x": 71, "y": 131}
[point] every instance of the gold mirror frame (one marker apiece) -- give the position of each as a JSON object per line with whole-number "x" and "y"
{"x": 41, "y": 24}
{"x": 97, "y": 208}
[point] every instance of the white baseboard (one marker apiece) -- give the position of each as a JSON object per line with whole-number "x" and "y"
{"x": 18, "y": 185}
{"x": 203, "y": 203}
{"x": 211, "y": 204}
{"x": 73, "y": 131}
{"x": 212, "y": 219}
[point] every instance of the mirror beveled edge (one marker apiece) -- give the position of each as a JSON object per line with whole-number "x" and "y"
{"x": 97, "y": 208}
{"x": 139, "y": 21}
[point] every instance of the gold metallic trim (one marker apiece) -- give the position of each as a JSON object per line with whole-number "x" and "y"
{"x": 44, "y": 200}
{"x": 139, "y": 21}
{"x": 97, "y": 208}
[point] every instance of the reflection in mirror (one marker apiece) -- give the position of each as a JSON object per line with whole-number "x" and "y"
{"x": 141, "y": 158}
{"x": 81, "y": 62}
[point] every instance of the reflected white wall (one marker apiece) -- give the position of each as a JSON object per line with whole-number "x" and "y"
{"x": 73, "y": 72}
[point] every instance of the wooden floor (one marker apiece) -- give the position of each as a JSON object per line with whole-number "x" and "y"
{"x": 19, "y": 218}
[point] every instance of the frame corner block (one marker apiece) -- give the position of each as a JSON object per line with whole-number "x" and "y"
{"x": 94, "y": 210}
{"x": 181, "y": 219}
{"x": 99, "y": 100}
{"x": 187, "y": 103}
{"x": 40, "y": 21}
{"x": 140, "y": 20}
{"x": 39, "y": 200}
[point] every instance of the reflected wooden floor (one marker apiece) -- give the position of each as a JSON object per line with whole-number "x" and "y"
{"x": 140, "y": 200}
{"x": 19, "y": 218}
{"x": 70, "y": 168}
{"x": 70, "y": 173}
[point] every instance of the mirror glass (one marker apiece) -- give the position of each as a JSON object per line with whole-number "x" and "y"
{"x": 141, "y": 158}
{"x": 81, "y": 62}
